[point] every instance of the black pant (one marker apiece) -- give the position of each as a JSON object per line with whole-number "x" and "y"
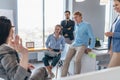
{"x": 54, "y": 59}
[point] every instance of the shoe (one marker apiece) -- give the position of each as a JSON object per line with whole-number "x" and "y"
{"x": 60, "y": 63}
{"x": 49, "y": 76}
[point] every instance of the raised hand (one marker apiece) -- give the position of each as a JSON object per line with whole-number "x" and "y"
{"x": 17, "y": 45}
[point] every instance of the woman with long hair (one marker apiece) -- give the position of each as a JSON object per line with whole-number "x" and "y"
{"x": 11, "y": 66}
{"x": 55, "y": 44}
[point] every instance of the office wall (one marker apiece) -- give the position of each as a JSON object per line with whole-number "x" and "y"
{"x": 10, "y": 5}
{"x": 92, "y": 13}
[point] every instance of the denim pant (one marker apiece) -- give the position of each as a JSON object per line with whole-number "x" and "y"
{"x": 55, "y": 59}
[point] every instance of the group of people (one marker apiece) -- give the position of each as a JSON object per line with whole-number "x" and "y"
{"x": 14, "y": 63}
{"x": 76, "y": 33}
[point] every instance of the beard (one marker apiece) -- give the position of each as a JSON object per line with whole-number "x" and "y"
{"x": 67, "y": 18}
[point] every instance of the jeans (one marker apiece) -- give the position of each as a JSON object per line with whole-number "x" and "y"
{"x": 54, "y": 60}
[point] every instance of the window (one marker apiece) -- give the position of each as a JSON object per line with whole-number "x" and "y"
{"x": 53, "y": 15}
{"x": 110, "y": 16}
{"x": 34, "y": 25}
{"x": 107, "y": 19}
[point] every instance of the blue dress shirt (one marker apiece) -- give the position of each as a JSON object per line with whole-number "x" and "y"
{"x": 83, "y": 32}
{"x": 54, "y": 43}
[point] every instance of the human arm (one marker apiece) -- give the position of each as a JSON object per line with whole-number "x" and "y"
{"x": 116, "y": 35}
{"x": 71, "y": 28}
{"x": 109, "y": 34}
{"x": 14, "y": 70}
{"x": 91, "y": 36}
{"x": 68, "y": 28}
{"x": 17, "y": 45}
{"x": 113, "y": 34}
{"x": 47, "y": 43}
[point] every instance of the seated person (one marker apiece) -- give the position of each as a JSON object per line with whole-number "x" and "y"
{"x": 55, "y": 44}
{"x": 83, "y": 32}
{"x": 11, "y": 67}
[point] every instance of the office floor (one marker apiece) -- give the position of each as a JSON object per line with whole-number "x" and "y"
{"x": 40, "y": 64}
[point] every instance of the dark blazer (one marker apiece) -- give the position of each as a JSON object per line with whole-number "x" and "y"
{"x": 66, "y": 25}
{"x": 115, "y": 40}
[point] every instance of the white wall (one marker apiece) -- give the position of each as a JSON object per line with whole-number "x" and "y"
{"x": 92, "y": 13}
{"x": 10, "y": 5}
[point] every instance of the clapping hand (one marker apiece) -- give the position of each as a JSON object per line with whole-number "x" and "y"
{"x": 109, "y": 34}
{"x": 17, "y": 45}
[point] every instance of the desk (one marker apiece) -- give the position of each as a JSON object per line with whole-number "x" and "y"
{"x": 89, "y": 61}
{"x": 1, "y": 79}
{"x": 107, "y": 74}
{"x": 36, "y": 49}
{"x": 102, "y": 56}
{"x": 36, "y": 53}
{"x": 99, "y": 54}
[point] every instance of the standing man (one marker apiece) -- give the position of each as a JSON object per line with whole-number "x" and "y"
{"x": 68, "y": 28}
{"x": 83, "y": 32}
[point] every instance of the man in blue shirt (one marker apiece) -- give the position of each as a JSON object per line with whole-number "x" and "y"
{"x": 83, "y": 32}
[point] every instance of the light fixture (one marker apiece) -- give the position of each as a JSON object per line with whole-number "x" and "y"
{"x": 79, "y": 0}
{"x": 103, "y": 2}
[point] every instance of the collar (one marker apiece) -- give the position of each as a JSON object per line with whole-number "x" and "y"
{"x": 78, "y": 24}
{"x": 67, "y": 19}
{"x": 119, "y": 17}
{"x": 55, "y": 36}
